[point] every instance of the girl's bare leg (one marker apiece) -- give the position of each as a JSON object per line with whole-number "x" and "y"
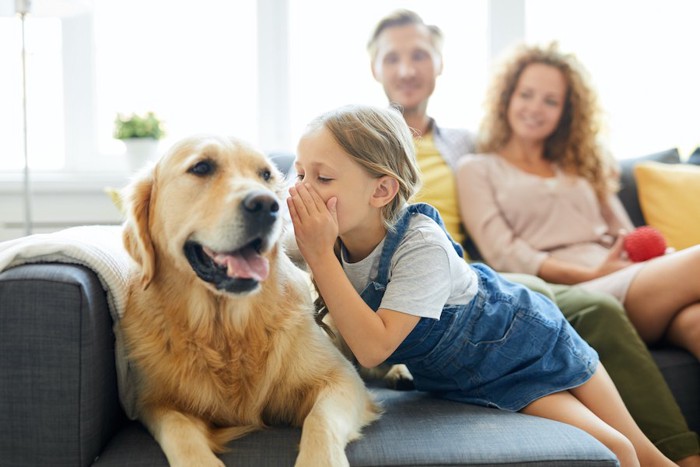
{"x": 564, "y": 407}
{"x": 596, "y": 407}
{"x": 600, "y": 395}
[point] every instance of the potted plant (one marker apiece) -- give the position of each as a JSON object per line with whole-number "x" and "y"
{"x": 138, "y": 126}
{"x": 140, "y": 134}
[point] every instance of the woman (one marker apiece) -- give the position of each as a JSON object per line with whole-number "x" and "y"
{"x": 541, "y": 198}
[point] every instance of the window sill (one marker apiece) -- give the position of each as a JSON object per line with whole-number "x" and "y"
{"x": 63, "y": 182}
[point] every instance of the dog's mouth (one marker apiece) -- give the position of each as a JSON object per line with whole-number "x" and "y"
{"x": 234, "y": 271}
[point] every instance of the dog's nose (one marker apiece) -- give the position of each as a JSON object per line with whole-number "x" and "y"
{"x": 261, "y": 201}
{"x": 261, "y": 207}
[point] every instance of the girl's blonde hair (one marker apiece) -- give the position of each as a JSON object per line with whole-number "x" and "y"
{"x": 574, "y": 143}
{"x": 380, "y": 141}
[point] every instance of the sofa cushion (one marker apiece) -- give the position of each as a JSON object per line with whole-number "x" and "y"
{"x": 628, "y": 187}
{"x": 669, "y": 196}
{"x": 415, "y": 430}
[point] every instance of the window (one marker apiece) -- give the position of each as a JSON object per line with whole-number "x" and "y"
{"x": 261, "y": 69}
{"x": 196, "y": 67}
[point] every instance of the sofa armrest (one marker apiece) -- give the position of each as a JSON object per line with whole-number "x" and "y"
{"x": 58, "y": 391}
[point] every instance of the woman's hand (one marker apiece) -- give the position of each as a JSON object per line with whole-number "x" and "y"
{"x": 315, "y": 222}
{"x": 616, "y": 259}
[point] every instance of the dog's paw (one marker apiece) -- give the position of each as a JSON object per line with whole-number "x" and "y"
{"x": 210, "y": 461}
{"x": 316, "y": 460}
{"x": 398, "y": 377}
{"x": 394, "y": 376}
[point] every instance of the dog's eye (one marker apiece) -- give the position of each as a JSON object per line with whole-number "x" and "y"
{"x": 202, "y": 168}
{"x": 266, "y": 174}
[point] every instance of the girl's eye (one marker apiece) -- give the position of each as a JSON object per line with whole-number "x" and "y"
{"x": 203, "y": 168}
{"x": 300, "y": 177}
{"x": 324, "y": 179}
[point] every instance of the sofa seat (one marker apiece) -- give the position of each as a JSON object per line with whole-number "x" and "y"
{"x": 415, "y": 430}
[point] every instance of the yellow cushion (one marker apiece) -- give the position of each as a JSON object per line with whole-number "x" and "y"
{"x": 669, "y": 195}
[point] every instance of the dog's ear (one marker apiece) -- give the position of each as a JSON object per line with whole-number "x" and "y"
{"x": 136, "y": 234}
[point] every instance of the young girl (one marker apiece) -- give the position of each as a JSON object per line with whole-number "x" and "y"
{"x": 401, "y": 292}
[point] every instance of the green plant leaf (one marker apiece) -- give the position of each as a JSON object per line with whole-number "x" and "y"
{"x": 138, "y": 126}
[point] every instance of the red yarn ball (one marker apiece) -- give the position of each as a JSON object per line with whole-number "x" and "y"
{"x": 644, "y": 243}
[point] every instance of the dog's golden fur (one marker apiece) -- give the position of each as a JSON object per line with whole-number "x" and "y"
{"x": 222, "y": 345}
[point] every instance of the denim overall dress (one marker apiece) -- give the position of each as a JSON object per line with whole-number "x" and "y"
{"x": 506, "y": 348}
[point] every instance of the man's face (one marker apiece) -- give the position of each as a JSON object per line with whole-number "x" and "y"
{"x": 407, "y": 65}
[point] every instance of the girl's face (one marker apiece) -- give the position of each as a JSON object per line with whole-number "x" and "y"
{"x": 537, "y": 103}
{"x": 323, "y": 164}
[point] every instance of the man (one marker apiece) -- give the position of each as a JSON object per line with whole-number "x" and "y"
{"x": 406, "y": 58}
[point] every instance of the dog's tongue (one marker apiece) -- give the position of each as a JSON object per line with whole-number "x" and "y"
{"x": 243, "y": 264}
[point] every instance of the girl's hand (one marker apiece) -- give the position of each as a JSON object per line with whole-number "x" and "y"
{"x": 315, "y": 222}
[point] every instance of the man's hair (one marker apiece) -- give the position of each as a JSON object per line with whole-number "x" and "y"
{"x": 378, "y": 139}
{"x": 402, "y": 18}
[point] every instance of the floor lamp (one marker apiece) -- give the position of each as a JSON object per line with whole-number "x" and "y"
{"x": 24, "y": 8}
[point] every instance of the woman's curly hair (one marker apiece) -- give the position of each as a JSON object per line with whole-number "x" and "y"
{"x": 573, "y": 145}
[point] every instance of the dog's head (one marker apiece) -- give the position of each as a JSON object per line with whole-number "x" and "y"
{"x": 211, "y": 207}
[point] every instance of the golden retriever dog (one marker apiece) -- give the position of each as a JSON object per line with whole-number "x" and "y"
{"x": 219, "y": 323}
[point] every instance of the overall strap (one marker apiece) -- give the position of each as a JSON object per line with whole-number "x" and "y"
{"x": 395, "y": 236}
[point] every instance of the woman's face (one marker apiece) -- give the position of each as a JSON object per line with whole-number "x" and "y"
{"x": 537, "y": 103}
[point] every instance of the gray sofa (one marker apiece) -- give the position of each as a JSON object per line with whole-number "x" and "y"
{"x": 59, "y": 404}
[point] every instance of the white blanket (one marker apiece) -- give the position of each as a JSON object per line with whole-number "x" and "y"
{"x": 99, "y": 248}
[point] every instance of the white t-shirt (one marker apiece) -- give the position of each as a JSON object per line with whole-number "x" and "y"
{"x": 425, "y": 273}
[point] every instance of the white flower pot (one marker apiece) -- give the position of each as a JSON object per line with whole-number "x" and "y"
{"x": 140, "y": 151}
